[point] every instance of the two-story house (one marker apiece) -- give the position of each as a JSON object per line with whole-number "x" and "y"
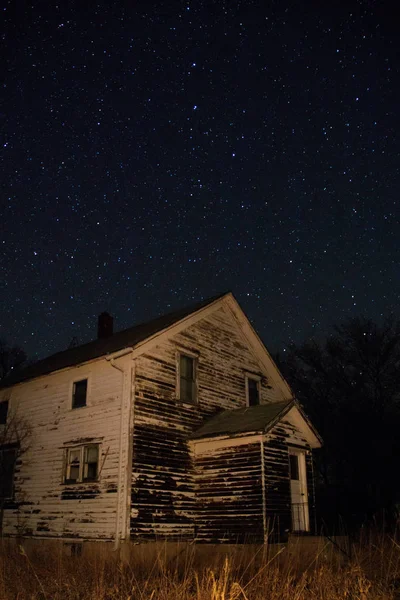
{"x": 180, "y": 428}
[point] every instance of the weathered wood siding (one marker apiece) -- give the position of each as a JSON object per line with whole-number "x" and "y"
{"x": 229, "y": 485}
{"x": 311, "y": 492}
{"x": 45, "y": 506}
{"x": 156, "y": 470}
{"x": 277, "y": 478}
{"x": 162, "y": 482}
{"x": 229, "y": 495}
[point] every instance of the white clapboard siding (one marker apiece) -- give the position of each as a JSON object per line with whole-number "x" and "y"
{"x": 44, "y": 506}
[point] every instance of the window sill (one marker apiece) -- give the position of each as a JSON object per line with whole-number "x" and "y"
{"x": 74, "y": 482}
{"x": 189, "y": 402}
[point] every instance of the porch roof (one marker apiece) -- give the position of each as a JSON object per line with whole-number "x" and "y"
{"x": 249, "y": 419}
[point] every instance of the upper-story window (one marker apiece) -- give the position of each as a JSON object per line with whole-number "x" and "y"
{"x": 252, "y": 390}
{"x": 3, "y": 412}
{"x": 187, "y": 378}
{"x": 79, "y": 393}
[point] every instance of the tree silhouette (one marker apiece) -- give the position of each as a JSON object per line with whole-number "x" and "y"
{"x": 15, "y": 439}
{"x": 15, "y": 431}
{"x": 350, "y": 387}
{"x": 11, "y": 357}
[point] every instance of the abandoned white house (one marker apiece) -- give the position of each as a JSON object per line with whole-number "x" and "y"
{"x": 182, "y": 427}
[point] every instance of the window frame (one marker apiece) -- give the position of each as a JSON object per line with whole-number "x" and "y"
{"x": 83, "y": 377}
{"x": 10, "y": 448}
{"x": 257, "y": 379}
{"x": 74, "y": 548}
{"x": 195, "y": 358}
{"x": 6, "y": 403}
{"x": 82, "y": 448}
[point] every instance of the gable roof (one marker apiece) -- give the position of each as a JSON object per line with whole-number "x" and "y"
{"x": 256, "y": 419}
{"x": 141, "y": 338}
{"x": 102, "y": 347}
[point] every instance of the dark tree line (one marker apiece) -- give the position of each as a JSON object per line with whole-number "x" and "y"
{"x": 350, "y": 387}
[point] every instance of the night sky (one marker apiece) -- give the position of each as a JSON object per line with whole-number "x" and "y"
{"x": 157, "y": 153}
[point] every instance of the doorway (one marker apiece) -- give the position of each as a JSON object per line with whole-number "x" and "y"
{"x": 298, "y": 490}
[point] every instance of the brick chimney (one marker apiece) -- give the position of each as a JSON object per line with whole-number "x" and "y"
{"x": 104, "y": 326}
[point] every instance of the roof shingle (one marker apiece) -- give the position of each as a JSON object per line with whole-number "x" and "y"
{"x": 102, "y": 347}
{"x": 244, "y": 420}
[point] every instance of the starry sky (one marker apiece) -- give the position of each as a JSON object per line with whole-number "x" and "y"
{"x": 157, "y": 153}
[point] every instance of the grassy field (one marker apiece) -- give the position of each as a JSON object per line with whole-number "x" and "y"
{"x": 372, "y": 573}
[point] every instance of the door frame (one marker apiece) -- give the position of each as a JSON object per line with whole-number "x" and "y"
{"x": 302, "y": 465}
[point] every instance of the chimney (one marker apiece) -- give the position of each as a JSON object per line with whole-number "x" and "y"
{"x": 104, "y": 326}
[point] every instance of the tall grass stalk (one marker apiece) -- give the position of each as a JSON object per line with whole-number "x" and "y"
{"x": 373, "y": 573}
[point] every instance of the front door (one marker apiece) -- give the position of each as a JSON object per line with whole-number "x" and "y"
{"x": 298, "y": 490}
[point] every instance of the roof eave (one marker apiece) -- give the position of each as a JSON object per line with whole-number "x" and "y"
{"x": 309, "y": 423}
{"x": 137, "y": 349}
{"x": 259, "y": 431}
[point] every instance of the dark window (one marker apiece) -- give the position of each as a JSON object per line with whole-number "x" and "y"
{"x": 253, "y": 391}
{"x": 76, "y": 549}
{"x": 79, "y": 393}
{"x": 8, "y": 457}
{"x": 3, "y": 412}
{"x": 294, "y": 466}
{"x": 82, "y": 464}
{"x": 187, "y": 378}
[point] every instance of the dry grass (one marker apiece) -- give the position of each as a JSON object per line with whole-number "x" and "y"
{"x": 372, "y": 574}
